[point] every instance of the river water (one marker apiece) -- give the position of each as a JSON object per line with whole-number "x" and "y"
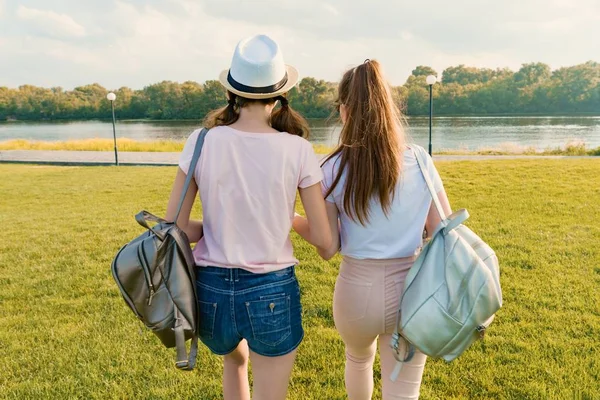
{"x": 448, "y": 132}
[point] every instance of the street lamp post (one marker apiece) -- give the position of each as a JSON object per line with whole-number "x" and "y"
{"x": 431, "y": 80}
{"x": 112, "y": 97}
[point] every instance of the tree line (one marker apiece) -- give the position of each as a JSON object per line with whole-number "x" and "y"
{"x": 533, "y": 89}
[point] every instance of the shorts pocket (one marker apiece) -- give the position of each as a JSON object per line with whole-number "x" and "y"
{"x": 350, "y": 299}
{"x": 270, "y": 319}
{"x": 208, "y": 312}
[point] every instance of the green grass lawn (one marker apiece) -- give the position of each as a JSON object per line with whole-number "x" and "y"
{"x": 65, "y": 332}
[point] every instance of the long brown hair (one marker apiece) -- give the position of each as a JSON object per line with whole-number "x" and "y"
{"x": 371, "y": 141}
{"x": 284, "y": 119}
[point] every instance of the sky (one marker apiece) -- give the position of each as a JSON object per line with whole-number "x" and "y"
{"x": 135, "y": 43}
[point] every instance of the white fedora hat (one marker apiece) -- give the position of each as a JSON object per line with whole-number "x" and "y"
{"x": 257, "y": 70}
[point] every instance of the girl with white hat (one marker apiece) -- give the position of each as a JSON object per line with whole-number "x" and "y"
{"x": 253, "y": 162}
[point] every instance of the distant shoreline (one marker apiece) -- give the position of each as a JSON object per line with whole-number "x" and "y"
{"x": 438, "y": 116}
{"x": 160, "y": 146}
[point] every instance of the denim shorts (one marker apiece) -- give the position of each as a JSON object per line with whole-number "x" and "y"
{"x": 236, "y": 304}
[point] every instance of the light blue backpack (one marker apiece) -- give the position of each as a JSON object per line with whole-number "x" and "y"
{"x": 452, "y": 291}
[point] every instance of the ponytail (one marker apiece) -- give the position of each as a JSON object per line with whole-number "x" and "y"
{"x": 285, "y": 119}
{"x": 371, "y": 141}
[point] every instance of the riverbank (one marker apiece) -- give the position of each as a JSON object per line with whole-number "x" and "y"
{"x": 199, "y": 120}
{"x": 140, "y": 158}
{"x": 572, "y": 148}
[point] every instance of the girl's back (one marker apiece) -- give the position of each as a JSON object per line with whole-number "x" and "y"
{"x": 397, "y": 233}
{"x": 247, "y": 183}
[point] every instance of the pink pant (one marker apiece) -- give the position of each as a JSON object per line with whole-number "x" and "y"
{"x": 366, "y": 299}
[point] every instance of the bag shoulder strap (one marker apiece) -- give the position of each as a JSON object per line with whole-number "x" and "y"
{"x": 397, "y": 336}
{"x": 187, "y": 362}
{"x": 184, "y": 361}
{"x": 425, "y": 173}
{"x": 190, "y": 174}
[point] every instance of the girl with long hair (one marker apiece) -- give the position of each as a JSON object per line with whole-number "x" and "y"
{"x": 378, "y": 205}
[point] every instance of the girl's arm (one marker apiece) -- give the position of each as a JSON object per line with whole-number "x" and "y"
{"x": 300, "y": 225}
{"x": 315, "y": 227}
{"x": 193, "y": 229}
{"x": 332, "y": 217}
{"x": 433, "y": 218}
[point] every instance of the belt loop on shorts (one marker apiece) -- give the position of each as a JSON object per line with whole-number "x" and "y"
{"x": 235, "y": 276}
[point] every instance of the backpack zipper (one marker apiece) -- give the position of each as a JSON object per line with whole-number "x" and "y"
{"x": 146, "y": 270}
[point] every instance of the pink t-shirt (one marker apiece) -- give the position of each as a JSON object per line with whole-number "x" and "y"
{"x": 247, "y": 184}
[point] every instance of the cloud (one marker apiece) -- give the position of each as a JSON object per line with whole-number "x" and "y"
{"x": 331, "y": 9}
{"x": 138, "y": 42}
{"x": 50, "y": 22}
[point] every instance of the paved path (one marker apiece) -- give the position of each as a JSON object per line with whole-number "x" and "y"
{"x": 62, "y": 157}
{"x": 57, "y": 157}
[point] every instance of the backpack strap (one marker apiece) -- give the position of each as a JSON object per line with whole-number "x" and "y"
{"x": 190, "y": 174}
{"x": 425, "y": 173}
{"x": 184, "y": 362}
{"x": 401, "y": 359}
{"x": 396, "y": 336}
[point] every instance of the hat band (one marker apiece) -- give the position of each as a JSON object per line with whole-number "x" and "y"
{"x": 256, "y": 90}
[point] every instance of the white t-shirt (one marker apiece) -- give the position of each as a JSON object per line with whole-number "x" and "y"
{"x": 247, "y": 184}
{"x": 397, "y": 235}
